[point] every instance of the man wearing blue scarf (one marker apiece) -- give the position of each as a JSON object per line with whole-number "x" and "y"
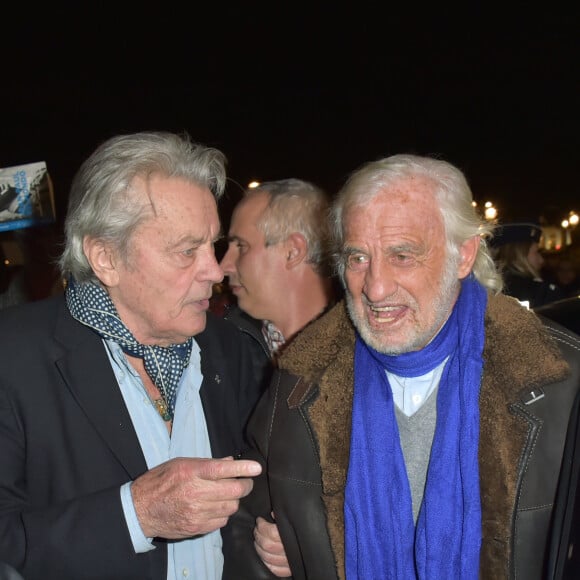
{"x": 417, "y": 430}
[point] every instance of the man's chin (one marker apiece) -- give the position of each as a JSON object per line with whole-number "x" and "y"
{"x": 390, "y": 343}
{"x": 197, "y": 324}
{"x": 244, "y": 305}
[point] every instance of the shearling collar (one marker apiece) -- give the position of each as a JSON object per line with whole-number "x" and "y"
{"x": 518, "y": 355}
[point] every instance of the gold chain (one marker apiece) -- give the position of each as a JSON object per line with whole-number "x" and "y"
{"x": 162, "y": 409}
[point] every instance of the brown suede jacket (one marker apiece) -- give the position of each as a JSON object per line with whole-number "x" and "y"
{"x": 300, "y": 432}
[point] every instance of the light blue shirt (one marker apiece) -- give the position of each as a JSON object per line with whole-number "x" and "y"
{"x": 198, "y": 558}
{"x": 410, "y": 393}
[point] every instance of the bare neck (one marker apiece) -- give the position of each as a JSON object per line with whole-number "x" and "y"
{"x": 303, "y": 304}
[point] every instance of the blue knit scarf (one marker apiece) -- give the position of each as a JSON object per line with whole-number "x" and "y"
{"x": 381, "y": 540}
{"x": 91, "y": 305}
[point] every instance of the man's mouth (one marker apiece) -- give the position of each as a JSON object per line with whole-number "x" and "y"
{"x": 386, "y": 314}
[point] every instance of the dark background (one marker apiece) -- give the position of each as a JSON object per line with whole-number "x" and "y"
{"x": 307, "y": 91}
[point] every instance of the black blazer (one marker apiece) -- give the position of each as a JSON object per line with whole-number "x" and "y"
{"x": 8, "y": 572}
{"x": 67, "y": 443}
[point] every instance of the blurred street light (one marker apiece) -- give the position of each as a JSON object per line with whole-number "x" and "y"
{"x": 490, "y": 212}
{"x": 571, "y": 221}
{"x": 568, "y": 224}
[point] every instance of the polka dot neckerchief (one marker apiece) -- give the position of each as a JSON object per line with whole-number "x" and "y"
{"x": 90, "y": 304}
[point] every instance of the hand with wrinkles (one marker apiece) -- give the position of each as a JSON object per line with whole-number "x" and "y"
{"x": 186, "y": 497}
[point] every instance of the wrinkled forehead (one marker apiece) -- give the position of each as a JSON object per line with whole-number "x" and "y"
{"x": 408, "y": 197}
{"x": 157, "y": 190}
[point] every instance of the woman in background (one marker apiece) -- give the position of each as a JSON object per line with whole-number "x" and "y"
{"x": 516, "y": 248}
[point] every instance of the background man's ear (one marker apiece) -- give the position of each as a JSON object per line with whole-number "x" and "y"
{"x": 296, "y": 248}
{"x": 102, "y": 260}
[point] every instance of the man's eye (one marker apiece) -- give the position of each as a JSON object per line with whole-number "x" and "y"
{"x": 357, "y": 261}
{"x": 188, "y": 252}
{"x": 403, "y": 259}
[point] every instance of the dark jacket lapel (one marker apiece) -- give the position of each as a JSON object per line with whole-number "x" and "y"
{"x": 83, "y": 363}
{"x": 217, "y": 397}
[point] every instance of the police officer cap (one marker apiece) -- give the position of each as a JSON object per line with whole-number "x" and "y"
{"x": 516, "y": 232}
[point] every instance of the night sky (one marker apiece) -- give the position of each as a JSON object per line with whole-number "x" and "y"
{"x": 310, "y": 93}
